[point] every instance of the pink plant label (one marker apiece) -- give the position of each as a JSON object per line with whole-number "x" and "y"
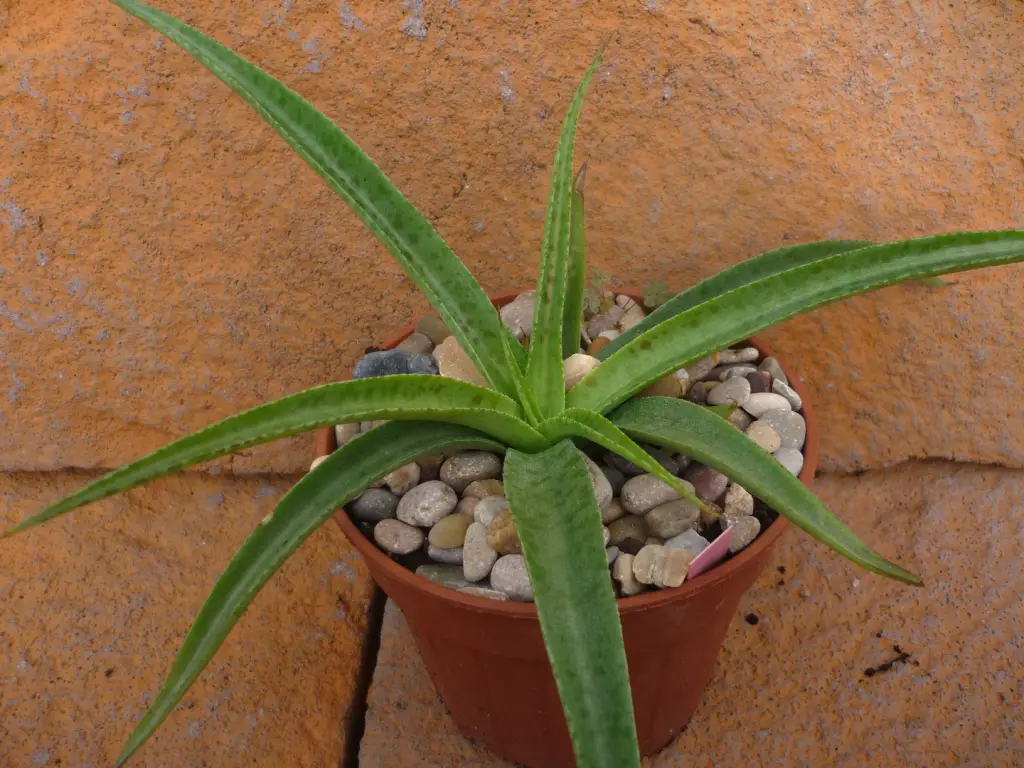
{"x": 712, "y": 554}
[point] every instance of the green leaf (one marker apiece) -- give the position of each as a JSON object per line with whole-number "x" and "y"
{"x": 765, "y": 265}
{"x": 559, "y": 525}
{"x": 692, "y": 430}
{"x": 309, "y": 504}
{"x": 574, "y": 422}
{"x": 406, "y": 397}
{"x": 734, "y": 316}
{"x": 544, "y": 368}
{"x": 395, "y": 221}
{"x": 576, "y": 276}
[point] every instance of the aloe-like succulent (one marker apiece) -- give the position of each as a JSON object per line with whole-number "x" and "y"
{"x": 526, "y": 412}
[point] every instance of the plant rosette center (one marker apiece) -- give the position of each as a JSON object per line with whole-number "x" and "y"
{"x": 445, "y": 516}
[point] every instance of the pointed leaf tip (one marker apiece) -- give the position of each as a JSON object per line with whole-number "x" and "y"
{"x": 581, "y": 176}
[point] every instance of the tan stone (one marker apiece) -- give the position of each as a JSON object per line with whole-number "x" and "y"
{"x": 481, "y": 489}
{"x": 449, "y": 532}
{"x": 454, "y": 363}
{"x": 666, "y": 386}
{"x": 502, "y": 536}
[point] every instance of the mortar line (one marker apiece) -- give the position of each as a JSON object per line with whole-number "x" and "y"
{"x": 355, "y": 725}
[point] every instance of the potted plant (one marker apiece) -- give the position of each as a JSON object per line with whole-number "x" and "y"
{"x": 528, "y": 413}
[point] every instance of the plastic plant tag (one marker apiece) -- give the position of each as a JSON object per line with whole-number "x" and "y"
{"x": 712, "y": 555}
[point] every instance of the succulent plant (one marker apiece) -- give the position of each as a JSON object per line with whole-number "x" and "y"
{"x": 526, "y": 412}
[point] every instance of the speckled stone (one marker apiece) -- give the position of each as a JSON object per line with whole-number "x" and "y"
{"x": 427, "y": 503}
{"x": 622, "y": 572}
{"x": 661, "y": 566}
{"x": 759, "y": 404}
{"x": 481, "y": 489}
{"x": 791, "y": 427}
{"x": 477, "y": 555}
{"x": 509, "y": 575}
{"x": 502, "y": 536}
{"x": 762, "y": 435}
{"x": 452, "y": 556}
{"x": 672, "y": 518}
{"x": 742, "y": 355}
{"x": 612, "y": 511}
{"x": 701, "y": 368}
{"x": 643, "y": 493}
{"x": 461, "y": 470}
{"x": 735, "y": 391}
{"x": 628, "y": 527}
{"x": 791, "y": 459}
{"x": 449, "y": 532}
{"x": 374, "y": 505}
{"x": 738, "y": 502}
{"x": 397, "y": 537}
{"x": 387, "y": 362}
{"x": 782, "y": 388}
{"x": 446, "y": 575}
{"x": 707, "y": 483}
{"x": 744, "y": 531}
{"x": 403, "y": 479}
{"x": 434, "y": 328}
{"x": 454, "y": 363}
{"x": 488, "y": 509}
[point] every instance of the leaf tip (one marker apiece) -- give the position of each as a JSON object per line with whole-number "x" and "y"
{"x": 581, "y": 175}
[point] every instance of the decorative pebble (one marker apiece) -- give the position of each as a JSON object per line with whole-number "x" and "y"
{"x": 518, "y": 314}
{"x": 509, "y": 575}
{"x": 454, "y": 363}
{"x": 766, "y": 438}
{"x": 374, "y": 505}
{"x": 624, "y": 301}
{"x": 490, "y": 594}
{"x": 611, "y": 553}
{"x": 701, "y": 368}
{"x": 502, "y": 536}
{"x": 449, "y": 532}
{"x": 622, "y": 572}
{"x": 661, "y": 566}
{"x": 451, "y": 556}
{"x": 628, "y": 527}
{"x": 653, "y": 540}
{"x": 397, "y": 537}
{"x": 666, "y": 386}
{"x": 427, "y": 503}
{"x": 446, "y": 575}
{"x": 740, "y": 419}
{"x": 616, "y": 478}
{"x": 738, "y": 502}
{"x": 771, "y": 365}
{"x": 345, "y": 433}
{"x": 711, "y": 515}
{"x": 477, "y": 555}
{"x": 791, "y": 427}
{"x": 602, "y": 488}
{"x": 791, "y": 459}
{"x": 634, "y": 316}
{"x": 488, "y": 509}
{"x": 698, "y": 393}
{"x": 760, "y": 381}
{"x": 433, "y": 328}
{"x": 744, "y": 531}
{"x": 424, "y": 364}
{"x": 735, "y": 391}
{"x": 430, "y": 466}
{"x": 759, "y": 404}
{"x": 467, "y": 507}
{"x": 403, "y": 479}
{"x": 612, "y": 511}
{"x": 604, "y": 321}
{"x": 673, "y": 518}
{"x": 643, "y": 493}
{"x": 733, "y": 371}
{"x": 744, "y": 355}
{"x": 780, "y": 387}
{"x": 707, "y": 483}
{"x": 416, "y": 344}
{"x": 386, "y": 362}
{"x": 462, "y": 469}
{"x": 481, "y": 489}
{"x": 689, "y": 540}
{"x": 597, "y": 345}
{"x": 317, "y": 462}
{"x": 575, "y": 367}
{"x": 630, "y": 545}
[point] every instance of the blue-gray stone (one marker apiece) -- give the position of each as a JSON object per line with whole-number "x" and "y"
{"x": 390, "y": 362}
{"x": 423, "y": 364}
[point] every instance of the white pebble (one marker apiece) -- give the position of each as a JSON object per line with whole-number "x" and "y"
{"x": 732, "y": 371}
{"x": 344, "y": 433}
{"x": 791, "y": 459}
{"x": 489, "y": 508}
{"x": 602, "y": 487}
{"x": 634, "y": 316}
{"x": 575, "y": 367}
{"x": 761, "y": 402}
{"x": 744, "y": 355}
{"x": 766, "y": 438}
{"x": 744, "y": 531}
{"x": 624, "y": 301}
{"x": 780, "y": 387}
{"x": 622, "y": 572}
{"x": 791, "y": 427}
{"x": 317, "y": 462}
{"x": 448, "y": 556}
{"x": 738, "y": 501}
{"x": 734, "y": 391}
{"x": 509, "y": 575}
{"x": 426, "y": 504}
{"x": 477, "y": 556}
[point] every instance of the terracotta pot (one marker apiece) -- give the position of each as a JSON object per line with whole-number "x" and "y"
{"x": 487, "y": 657}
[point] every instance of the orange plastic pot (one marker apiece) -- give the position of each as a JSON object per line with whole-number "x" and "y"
{"x": 487, "y": 657}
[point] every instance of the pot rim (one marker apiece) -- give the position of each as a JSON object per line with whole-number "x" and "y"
{"x": 643, "y": 602}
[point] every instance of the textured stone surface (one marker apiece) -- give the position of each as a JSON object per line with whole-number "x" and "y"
{"x": 94, "y": 607}
{"x": 793, "y": 689}
{"x": 169, "y": 261}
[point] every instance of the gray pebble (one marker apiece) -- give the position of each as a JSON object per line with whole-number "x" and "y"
{"x": 616, "y": 478}
{"x": 387, "y": 362}
{"x": 448, "y": 556}
{"x": 374, "y": 505}
{"x": 791, "y": 427}
{"x": 759, "y": 404}
{"x": 509, "y": 575}
{"x": 673, "y": 518}
{"x": 489, "y": 508}
{"x": 397, "y": 537}
{"x": 612, "y": 511}
{"x": 424, "y": 364}
{"x": 742, "y": 355}
{"x": 766, "y": 438}
{"x": 698, "y": 393}
{"x": 344, "y": 433}
{"x": 740, "y": 419}
{"x": 771, "y": 365}
{"x": 446, "y": 575}
{"x": 643, "y": 493}
{"x": 725, "y": 372}
{"x": 518, "y": 314}
{"x": 490, "y": 594}
{"x": 744, "y": 531}
{"x": 780, "y": 387}
{"x": 461, "y": 470}
{"x": 602, "y": 488}
{"x": 735, "y": 391}
{"x": 477, "y": 556}
{"x": 611, "y": 553}
{"x": 628, "y": 527}
{"x": 416, "y": 344}
{"x": 433, "y": 328}
{"x": 689, "y": 540}
{"x": 427, "y": 503}
{"x": 791, "y": 459}
{"x": 701, "y": 368}
{"x": 760, "y": 381}
{"x": 604, "y": 321}
{"x": 403, "y": 479}
{"x": 707, "y": 483}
